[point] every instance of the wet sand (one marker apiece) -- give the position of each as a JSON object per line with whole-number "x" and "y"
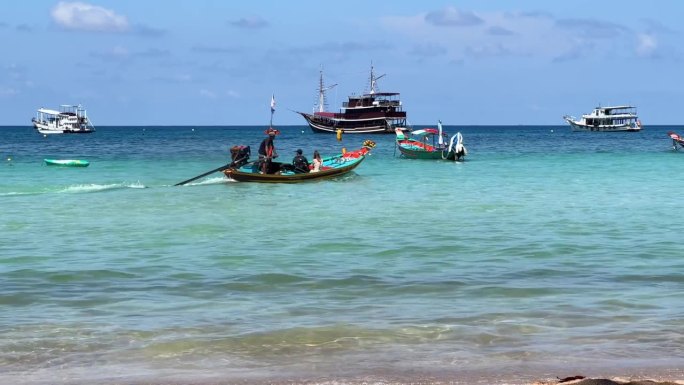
{"x": 375, "y": 381}
{"x": 402, "y": 380}
{"x": 605, "y": 381}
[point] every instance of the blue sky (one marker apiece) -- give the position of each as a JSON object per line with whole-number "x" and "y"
{"x": 204, "y": 62}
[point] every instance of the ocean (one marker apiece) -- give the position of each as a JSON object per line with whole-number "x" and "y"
{"x": 545, "y": 254}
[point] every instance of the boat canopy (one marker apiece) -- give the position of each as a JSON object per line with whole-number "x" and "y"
{"x": 614, "y": 107}
{"x": 386, "y": 94}
{"x": 425, "y": 132}
{"x": 48, "y": 111}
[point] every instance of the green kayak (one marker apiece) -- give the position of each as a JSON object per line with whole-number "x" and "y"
{"x": 67, "y": 162}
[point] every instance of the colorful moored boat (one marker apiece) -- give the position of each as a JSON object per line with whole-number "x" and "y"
{"x": 430, "y": 143}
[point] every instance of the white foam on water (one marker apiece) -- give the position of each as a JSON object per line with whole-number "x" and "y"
{"x": 86, "y": 188}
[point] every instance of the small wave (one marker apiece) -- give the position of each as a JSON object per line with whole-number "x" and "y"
{"x": 15, "y": 193}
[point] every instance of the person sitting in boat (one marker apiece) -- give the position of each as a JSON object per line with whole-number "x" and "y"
{"x": 239, "y": 155}
{"x": 300, "y": 163}
{"x": 317, "y": 162}
{"x": 267, "y": 151}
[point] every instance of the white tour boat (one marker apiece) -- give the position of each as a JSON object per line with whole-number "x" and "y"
{"x": 69, "y": 120}
{"x": 614, "y": 118}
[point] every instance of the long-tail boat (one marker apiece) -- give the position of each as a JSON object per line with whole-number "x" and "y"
{"x": 430, "y": 143}
{"x": 332, "y": 166}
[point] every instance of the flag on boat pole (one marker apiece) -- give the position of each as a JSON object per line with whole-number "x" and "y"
{"x": 272, "y": 107}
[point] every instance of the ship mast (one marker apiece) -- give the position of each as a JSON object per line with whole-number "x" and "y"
{"x": 373, "y": 80}
{"x": 321, "y": 92}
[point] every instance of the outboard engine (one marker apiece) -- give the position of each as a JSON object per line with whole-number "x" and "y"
{"x": 457, "y": 149}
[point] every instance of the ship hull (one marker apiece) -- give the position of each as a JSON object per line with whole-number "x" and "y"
{"x": 329, "y": 125}
{"x": 579, "y": 127}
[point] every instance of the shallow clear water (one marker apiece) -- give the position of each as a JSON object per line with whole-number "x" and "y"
{"x": 545, "y": 253}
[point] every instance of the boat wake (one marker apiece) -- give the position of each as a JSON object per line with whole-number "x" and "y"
{"x": 75, "y": 189}
{"x": 87, "y": 188}
{"x": 210, "y": 181}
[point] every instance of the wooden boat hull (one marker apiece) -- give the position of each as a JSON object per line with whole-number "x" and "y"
{"x": 337, "y": 166}
{"x": 320, "y": 124}
{"x": 67, "y": 162}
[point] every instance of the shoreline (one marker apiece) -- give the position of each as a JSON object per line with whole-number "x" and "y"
{"x": 514, "y": 376}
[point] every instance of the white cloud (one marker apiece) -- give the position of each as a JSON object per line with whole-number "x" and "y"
{"x": 646, "y": 44}
{"x": 255, "y": 22}
{"x": 451, "y": 16}
{"x": 517, "y": 34}
{"x": 14, "y": 71}
{"x": 115, "y": 53}
{"x": 207, "y": 94}
{"x": 7, "y": 91}
{"x": 428, "y": 50}
{"x": 495, "y": 34}
{"x": 88, "y": 17}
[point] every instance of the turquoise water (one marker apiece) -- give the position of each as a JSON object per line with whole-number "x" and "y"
{"x": 547, "y": 253}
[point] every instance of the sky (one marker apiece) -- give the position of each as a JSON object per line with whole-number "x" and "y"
{"x": 215, "y": 62}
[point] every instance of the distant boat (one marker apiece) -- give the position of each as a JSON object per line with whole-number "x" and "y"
{"x": 67, "y": 162}
{"x": 610, "y": 119}
{"x": 430, "y": 143}
{"x": 369, "y": 113}
{"x": 70, "y": 119}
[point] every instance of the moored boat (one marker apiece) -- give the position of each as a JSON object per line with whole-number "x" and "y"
{"x": 608, "y": 119}
{"x": 430, "y": 143}
{"x": 333, "y": 166}
{"x": 67, "y": 162}
{"x": 70, "y": 119}
{"x": 368, "y": 113}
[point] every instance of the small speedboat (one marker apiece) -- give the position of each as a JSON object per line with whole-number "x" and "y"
{"x": 67, "y": 162}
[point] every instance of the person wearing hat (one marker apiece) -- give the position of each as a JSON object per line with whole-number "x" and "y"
{"x": 300, "y": 163}
{"x": 267, "y": 151}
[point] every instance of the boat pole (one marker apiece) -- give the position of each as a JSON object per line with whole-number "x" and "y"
{"x": 272, "y": 109}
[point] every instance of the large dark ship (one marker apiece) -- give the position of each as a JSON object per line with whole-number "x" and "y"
{"x": 369, "y": 113}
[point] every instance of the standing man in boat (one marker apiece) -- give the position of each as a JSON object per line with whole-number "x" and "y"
{"x": 267, "y": 150}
